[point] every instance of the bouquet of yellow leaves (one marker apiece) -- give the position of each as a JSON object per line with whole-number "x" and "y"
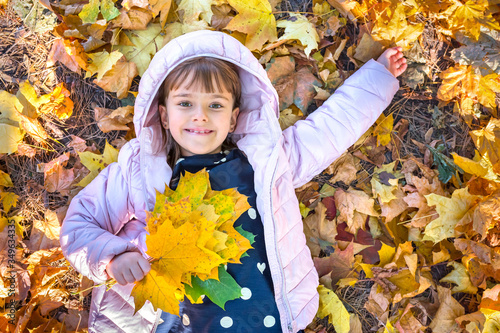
{"x": 191, "y": 238}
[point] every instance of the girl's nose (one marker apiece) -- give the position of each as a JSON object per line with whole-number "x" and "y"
{"x": 200, "y": 114}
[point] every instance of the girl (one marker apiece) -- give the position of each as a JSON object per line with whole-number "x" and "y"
{"x": 214, "y": 94}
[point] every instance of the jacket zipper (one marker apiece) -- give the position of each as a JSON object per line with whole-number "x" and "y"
{"x": 283, "y": 290}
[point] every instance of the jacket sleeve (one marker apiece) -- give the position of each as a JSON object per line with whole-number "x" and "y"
{"x": 96, "y": 214}
{"x": 312, "y": 144}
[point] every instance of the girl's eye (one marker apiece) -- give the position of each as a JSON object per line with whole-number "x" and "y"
{"x": 215, "y": 106}
{"x": 185, "y": 104}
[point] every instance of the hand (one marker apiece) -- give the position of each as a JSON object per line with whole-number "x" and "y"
{"x": 394, "y": 60}
{"x": 128, "y": 267}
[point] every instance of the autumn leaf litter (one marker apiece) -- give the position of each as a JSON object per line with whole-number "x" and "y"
{"x": 23, "y": 56}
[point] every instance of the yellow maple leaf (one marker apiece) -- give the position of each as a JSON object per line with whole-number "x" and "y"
{"x": 383, "y": 129}
{"x": 461, "y": 278}
{"x": 5, "y": 179}
{"x": 177, "y": 254}
{"x": 346, "y": 7}
{"x": 191, "y": 234}
{"x": 196, "y": 9}
{"x": 487, "y": 140}
{"x": 492, "y": 322}
{"x": 462, "y": 83}
{"x": 146, "y": 43}
{"x": 457, "y": 80}
{"x": 158, "y": 290}
{"x": 469, "y": 17}
{"x": 9, "y": 200}
{"x": 101, "y": 63}
{"x": 393, "y": 27}
{"x": 298, "y": 27}
{"x": 331, "y": 306}
{"x": 58, "y": 103}
{"x": 489, "y": 85}
{"x": 10, "y": 138}
{"x": 407, "y": 285}
{"x": 96, "y": 163}
{"x": 255, "y": 18}
{"x": 10, "y": 108}
{"x": 451, "y": 211}
{"x": 470, "y": 166}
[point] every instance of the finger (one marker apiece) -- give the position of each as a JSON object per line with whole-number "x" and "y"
{"x": 401, "y": 61}
{"x": 120, "y": 280}
{"x": 128, "y": 276}
{"x": 401, "y": 69}
{"x": 391, "y": 52}
{"x": 145, "y": 266}
{"x": 137, "y": 272}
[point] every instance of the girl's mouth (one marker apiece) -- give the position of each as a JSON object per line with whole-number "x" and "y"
{"x": 199, "y": 131}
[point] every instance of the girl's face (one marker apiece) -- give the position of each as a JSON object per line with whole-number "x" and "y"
{"x": 198, "y": 121}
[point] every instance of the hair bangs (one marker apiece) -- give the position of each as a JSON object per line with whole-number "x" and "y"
{"x": 210, "y": 75}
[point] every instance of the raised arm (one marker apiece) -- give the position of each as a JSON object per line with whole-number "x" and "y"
{"x": 88, "y": 235}
{"x": 314, "y": 143}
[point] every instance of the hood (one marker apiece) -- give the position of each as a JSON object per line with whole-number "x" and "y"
{"x": 257, "y": 91}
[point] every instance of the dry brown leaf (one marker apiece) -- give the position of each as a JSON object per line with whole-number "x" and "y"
{"x": 220, "y": 17}
{"x": 72, "y": 55}
{"x": 394, "y": 207}
{"x": 449, "y": 310}
{"x": 339, "y": 263}
{"x": 491, "y": 299}
{"x": 345, "y": 7}
{"x": 371, "y": 152}
{"x": 26, "y": 150}
{"x": 407, "y": 323}
{"x": 487, "y": 215}
{"x": 320, "y": 226}
{"x": 119, "y": 78}
{"x": 56, "y": 177}
{"x": 378, "y": 302}
{"x": 33, "y": 128}
{"x": 354, "y": 207}
{"x": 344, "y": 169}
{"x": 368, "y": 48}
{"x": 45, "y": 234}
{"x": 487, "y": 140}
{"x": 134, "y": 19}
{"x": 78, "y": 144}
{"x": 293, "y": 87}
{"x": 114, "y": 120}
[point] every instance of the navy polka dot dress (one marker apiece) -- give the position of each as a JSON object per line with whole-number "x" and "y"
{"x": 256, "y": 310}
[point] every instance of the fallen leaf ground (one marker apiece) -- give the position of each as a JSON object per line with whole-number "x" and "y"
{"x": 23, "y": 56}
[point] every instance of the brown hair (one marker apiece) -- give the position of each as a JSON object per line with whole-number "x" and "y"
{"x": 206, "y": 71}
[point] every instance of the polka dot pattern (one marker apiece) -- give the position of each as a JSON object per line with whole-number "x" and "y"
{"x": 246, "y": 293}
{"x": 226, "y": 322}
{"x": 269, "y": 321}
{"x": 252, "y": 213}
{"x": 185, "y": 320}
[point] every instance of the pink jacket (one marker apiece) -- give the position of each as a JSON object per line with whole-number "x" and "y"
{"x": 108, "y": 216}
